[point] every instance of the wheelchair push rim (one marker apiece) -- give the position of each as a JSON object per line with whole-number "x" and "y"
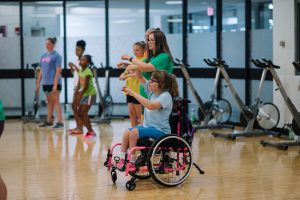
{"x": 170, "y": 161}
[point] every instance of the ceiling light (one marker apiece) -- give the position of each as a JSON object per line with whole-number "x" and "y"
{"x": 270, "y": 6}
{"x": 124, "y": 21}
{"x": 173, "y": 2}
{"x": 49, "y": 2}
{"x": 174, "y": 20}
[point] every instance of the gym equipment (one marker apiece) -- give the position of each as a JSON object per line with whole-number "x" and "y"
{"x": 33, "y": 115}
{"x": 267, "y": 114}
{"x": 213, "y": 113}
{"x": 106, "y": 101}
{"x": 168, "y": 160}
{"x": 2, "y": 118}
{"x": 268, "y": 65}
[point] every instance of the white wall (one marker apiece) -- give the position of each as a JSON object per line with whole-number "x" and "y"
{"x": 284, "y": 30}
{"x": 9, "y": 16}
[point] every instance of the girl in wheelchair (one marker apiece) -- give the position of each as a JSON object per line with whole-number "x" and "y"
{"x": 161, "y": 89}
{"x": 165, "y": 157}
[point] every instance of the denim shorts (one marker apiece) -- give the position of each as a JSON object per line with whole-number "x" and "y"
{"x": 148, "y": 132}
{"x": 88, "y": 100}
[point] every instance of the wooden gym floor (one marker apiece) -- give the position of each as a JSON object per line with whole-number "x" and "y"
{"x": 45, "y": 164}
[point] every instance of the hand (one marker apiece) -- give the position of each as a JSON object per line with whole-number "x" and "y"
{"x": 71, "y": 64}
{"x": 54, "y": 89}
{"x": 133, "y": 69}
{"x": 125, "y": 57}
{"x": 127, "y": 90}
{"x": 122, "y": 77}
{"x": 122, "y": 65}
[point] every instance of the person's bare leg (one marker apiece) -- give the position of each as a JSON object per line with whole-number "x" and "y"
{"x": 49, "y": 108}
{"x": 138, "y": 111}
{"x": 75, "y": 107}
{"x": 133, "y": 138}
{"x": 84, "y": 109}
{"x": 132, "y": 115}
{"x": 125, "y": 141}
{"x": 56, "y": 102}
{"x": 3, "y": 190}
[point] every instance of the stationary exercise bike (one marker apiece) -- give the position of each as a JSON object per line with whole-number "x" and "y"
{"x": 33, "y": 115}
{"x": 268, "y": 65}
{"x": 106, "y": 101}
{"x": 213, "y": 113}
{"x": 266, "y": 114}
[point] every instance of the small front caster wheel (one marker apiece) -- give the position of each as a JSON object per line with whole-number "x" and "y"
{"x": 114, "y": 177}
{"x": 130, "y": 185}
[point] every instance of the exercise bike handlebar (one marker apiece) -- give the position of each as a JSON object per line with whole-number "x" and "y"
{"x": 210, "y": 63}
{"x": 217, "y": 62}
{"x": 180, "y": 62}
{"x": 93, "y": 66}
{"x": 106, "y": 67}
{"x": 35, "y": 65}
{"x": 270, "y": 64}
{"x": 258, "y": 64}
{"x": 297, "y": 65}
{"x": 181, "y": 100}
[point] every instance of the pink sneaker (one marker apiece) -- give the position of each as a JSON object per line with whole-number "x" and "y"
{"x": 89, "y": 135}
{"x": 131, "y": 165}
{"x": 120, "y": 164}
{"x": 122, "y": 167}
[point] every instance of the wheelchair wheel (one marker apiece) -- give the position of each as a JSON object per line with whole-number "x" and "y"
{"x": 141, "y": 164}
{"x": 221, "y": 111}
{"x": 170, "y": 160}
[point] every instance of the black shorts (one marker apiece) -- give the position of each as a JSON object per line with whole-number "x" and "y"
{"x": 48, "y": 88}
{"x": 131, "y": 99}
{"x": 1, "y": 127}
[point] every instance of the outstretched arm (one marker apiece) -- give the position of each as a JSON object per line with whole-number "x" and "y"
{"x": 151, "y": 105}
{"x": 144, "y": 67}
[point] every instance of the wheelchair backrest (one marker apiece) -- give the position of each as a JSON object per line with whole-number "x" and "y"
{"x": 180, "y": 122}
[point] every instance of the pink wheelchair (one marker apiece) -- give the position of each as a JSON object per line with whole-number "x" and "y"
{"x": 167, "y": 160}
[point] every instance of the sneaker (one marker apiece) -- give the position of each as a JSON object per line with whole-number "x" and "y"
{"x": 89, "y": 135}
{"x": 45, "y": 125}
{"x": 58, "y": 125}
{"x": 120, "y": 164}
{"x": 131, "y": 165}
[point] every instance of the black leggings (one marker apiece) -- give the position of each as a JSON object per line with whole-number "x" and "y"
{"x": 1, "y": 127}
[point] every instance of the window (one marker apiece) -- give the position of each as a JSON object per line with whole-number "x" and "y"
{"x": 41, "y": 19}
{"x": 85, "y": 21}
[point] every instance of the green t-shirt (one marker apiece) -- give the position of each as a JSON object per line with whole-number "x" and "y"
{"x": 90, "y": 91}
{"x": 161, "y": 62}
{"x": 2, "y": 114}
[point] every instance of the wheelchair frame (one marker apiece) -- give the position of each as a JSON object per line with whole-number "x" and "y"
{"x": 168, "y": 143}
